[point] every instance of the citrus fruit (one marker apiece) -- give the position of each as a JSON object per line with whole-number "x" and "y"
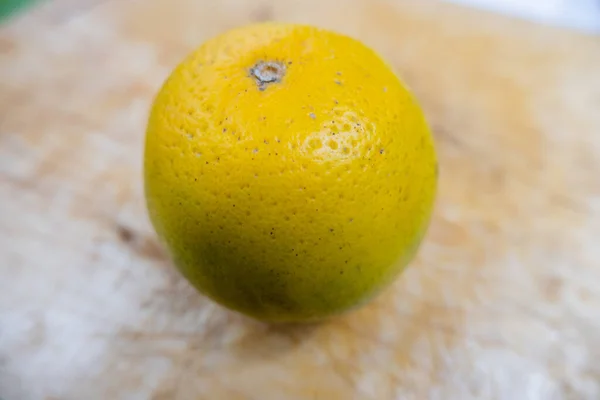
{"x": 289, "y": 172}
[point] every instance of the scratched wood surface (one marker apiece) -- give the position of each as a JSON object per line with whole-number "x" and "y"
{"x": 502, "y": 302}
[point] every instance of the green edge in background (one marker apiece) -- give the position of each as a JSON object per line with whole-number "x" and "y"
{"x": 10, "y": 7}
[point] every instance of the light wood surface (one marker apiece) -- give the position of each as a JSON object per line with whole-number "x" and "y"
{"x": 502, "y": 302}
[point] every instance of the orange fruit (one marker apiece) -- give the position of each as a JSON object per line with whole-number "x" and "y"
{"x": 289, "y": 172}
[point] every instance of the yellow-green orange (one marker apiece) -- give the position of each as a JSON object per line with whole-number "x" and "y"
{"x": 289, "y": 172}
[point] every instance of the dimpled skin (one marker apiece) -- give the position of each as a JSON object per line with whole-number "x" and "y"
{"x": 296, "y": 199}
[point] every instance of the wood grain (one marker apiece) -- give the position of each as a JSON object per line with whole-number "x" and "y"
{"x": 502, "y": 302}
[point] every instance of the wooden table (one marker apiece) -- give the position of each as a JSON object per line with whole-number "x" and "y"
{"x": 503, "y": 301}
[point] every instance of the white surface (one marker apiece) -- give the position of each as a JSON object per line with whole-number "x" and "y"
{"x": 578, "y": 14}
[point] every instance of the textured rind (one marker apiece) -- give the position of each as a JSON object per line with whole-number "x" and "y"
{"x": 296, "y": 200}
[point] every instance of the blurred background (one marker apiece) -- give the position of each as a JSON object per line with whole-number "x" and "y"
{"x": 580, "y": 14}
{"x": 502, "y": 301}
